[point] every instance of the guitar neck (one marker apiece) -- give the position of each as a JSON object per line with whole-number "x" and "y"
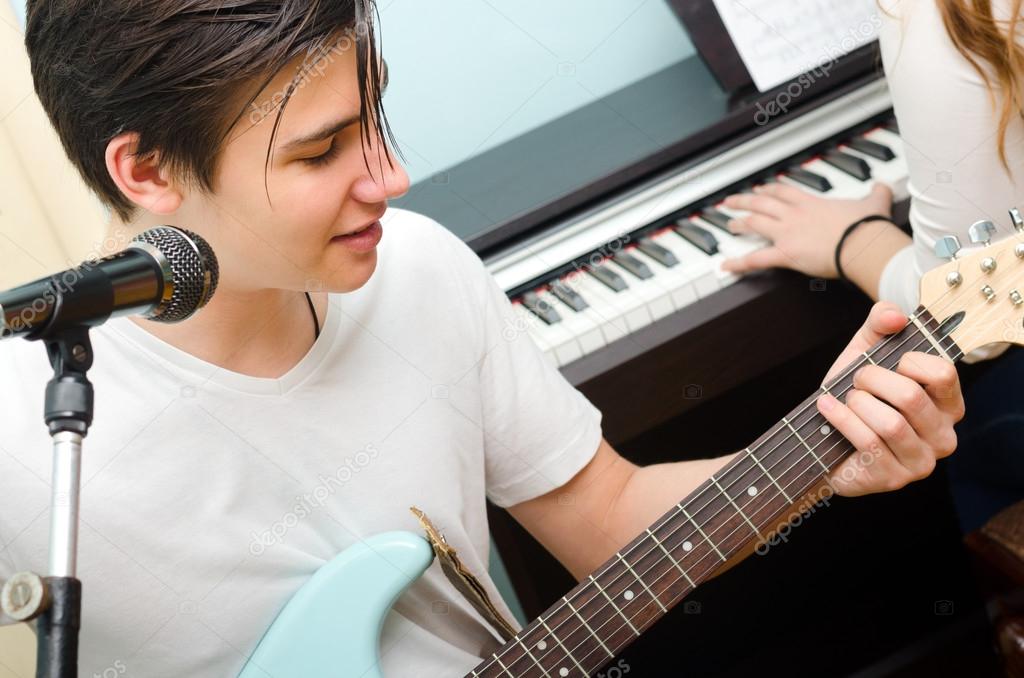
{"x": 727, "y": 514}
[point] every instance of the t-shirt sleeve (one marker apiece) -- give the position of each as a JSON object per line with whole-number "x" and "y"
{"x": 539, "y": 430}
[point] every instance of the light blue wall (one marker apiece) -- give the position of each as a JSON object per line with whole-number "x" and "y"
{"x": 467, "y": 75}
{"x": 19, "y": 10}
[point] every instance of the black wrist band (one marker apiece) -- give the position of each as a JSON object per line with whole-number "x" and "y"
{"x": 846, "y": 234}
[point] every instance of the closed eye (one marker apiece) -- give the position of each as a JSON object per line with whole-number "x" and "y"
{"x": 320, "y": 160}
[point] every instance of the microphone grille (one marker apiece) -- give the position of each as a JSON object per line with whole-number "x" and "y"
{"x": 193, "y": 266}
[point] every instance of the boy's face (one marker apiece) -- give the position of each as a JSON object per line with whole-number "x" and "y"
{"x": 290, "y": 242}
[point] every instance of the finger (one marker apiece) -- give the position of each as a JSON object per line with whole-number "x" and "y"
{"x": 757, "y": 204}
{"x": 896, "y": 433}
{"x": 912, "y": 401}
{"x": 873, "y": 467}
{"x": 939, "y": 377}
{"x": 881, "y": 192}
{"x": 884, "y": 319}
{"x": 780, "y": 191}
{"x": 767, "y": 257}
{"x": 755, "y": 223}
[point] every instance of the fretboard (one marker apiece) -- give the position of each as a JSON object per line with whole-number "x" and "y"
{"x": 729, "y": 512}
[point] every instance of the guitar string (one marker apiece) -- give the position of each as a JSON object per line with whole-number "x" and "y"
{"x": 694, "y": 533}
{"x": 849, "y": 370}
{"x": 488, "y": 663}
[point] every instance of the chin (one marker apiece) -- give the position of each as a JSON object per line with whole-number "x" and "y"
{"x": 352, "y": 275}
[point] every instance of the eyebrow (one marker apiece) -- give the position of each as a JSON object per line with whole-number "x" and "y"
{"x": 330, "y": 129}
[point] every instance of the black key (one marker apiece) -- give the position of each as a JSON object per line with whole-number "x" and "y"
{"x": 891, "y": 125}
{"x": 856, "y": 167}
{"x": 568, "y": 296}
{"x": 541, "y": 308}
{"x": 715, "y": 218}
{"x": 871, "y": 148}
{"x": 808, "y": 178}
{"x": 610, "y": 278}
{"x": 633, "y": 265}
{"x": 655, "y": 251}
{"x": 699, "y": 237}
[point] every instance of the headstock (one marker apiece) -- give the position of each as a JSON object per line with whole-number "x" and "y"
{"x": 987, "y": 284}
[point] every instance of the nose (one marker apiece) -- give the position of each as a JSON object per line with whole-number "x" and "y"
{"x": 383, "y": 181}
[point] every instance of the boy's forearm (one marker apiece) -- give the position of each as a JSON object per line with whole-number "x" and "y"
{"x": 650, "y": 492}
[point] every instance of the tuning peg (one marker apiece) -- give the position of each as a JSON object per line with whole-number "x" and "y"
{"x": 981, "y": 232}
{"x": 1017, "y": 219}
{"x": 947, "y": 247}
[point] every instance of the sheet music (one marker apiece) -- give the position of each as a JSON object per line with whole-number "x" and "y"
{"x": 780, "y": 39}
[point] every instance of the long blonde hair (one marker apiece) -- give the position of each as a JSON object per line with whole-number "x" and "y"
{"x": 980, "y": 37}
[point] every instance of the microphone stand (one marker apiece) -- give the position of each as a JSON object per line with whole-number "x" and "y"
{"x": 55, "y": 601}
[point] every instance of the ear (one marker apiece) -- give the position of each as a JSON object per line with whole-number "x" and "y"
{"x": 140, "y": 179}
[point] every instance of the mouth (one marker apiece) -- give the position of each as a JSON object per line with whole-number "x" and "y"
{"x": 371, "y": 224}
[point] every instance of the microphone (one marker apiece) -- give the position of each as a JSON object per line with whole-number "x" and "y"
{"x": 165, "y": 274}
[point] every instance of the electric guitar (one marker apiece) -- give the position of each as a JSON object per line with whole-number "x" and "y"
{"x": 331, "y": 627}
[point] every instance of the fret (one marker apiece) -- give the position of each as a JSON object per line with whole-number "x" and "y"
{"x": 617, "y": 609}
{"x": 738, "y": 510}
{"x": 566, "y": 651}
{"x": 503, "y": 667}
{"x": 930, "y": 337}
{"x": 869, "y": 358}
{"x": 528, "y": 654}
{"x": 641, "y": 582}
{"x": 804, "y": 443}
{"x": 701, "y": 531}
{"x": 587, "y": 627}
{"x": 753, "y": 456}
{"x": 673, "y": 560}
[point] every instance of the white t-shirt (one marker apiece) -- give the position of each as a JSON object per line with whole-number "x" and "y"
{"x": 210, "y": 497}
{"x": 948, "y": 126}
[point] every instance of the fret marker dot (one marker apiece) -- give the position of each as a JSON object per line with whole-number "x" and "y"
{"x": 542, "y": 646}
{"x": 563, "y": 672}
{"x": 687, "y": 546}
{"x": 826, "y": 429}
{"x": 628, "y": 595}
{"x": 751, "y": 490}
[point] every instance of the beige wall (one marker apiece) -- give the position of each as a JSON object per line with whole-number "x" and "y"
{"x": 48, "y": 221}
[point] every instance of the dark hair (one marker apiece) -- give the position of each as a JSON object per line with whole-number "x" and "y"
{"x": 172, "y": 70}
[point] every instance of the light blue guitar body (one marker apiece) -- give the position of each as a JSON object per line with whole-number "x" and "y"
{"x": 331, "y": 626}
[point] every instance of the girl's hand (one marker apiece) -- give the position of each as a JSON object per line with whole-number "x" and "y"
{"x": 804, "y": 229}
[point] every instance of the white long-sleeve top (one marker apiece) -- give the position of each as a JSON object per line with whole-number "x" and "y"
{"x": 949, "y": 128}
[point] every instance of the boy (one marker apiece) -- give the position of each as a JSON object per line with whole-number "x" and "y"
{"x": 354, "y": 361}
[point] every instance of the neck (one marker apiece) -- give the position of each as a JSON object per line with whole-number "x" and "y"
{"x": 259, "y": 332}
{"x": 724, "y": 517}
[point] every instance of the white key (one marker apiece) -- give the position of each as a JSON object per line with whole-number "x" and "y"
{"x": 629, "y": 307}
{"x": 893, "y": 172}
{"x": 655, "y": 296}
{"x": 605, "y": 315}
{"x": 562, "y": 341}
{"x": 579, "y": 324}
{"x": 699, "y": 267}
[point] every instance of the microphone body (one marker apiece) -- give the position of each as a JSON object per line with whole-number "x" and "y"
{"x": 166, "y": 274}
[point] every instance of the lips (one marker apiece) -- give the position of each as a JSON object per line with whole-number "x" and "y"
{"x": 361, "y": 228}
